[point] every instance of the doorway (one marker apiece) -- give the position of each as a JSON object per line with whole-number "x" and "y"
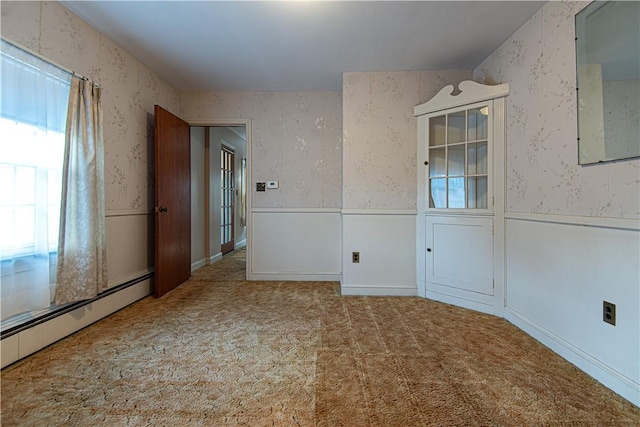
{"x": 220, "y": 198}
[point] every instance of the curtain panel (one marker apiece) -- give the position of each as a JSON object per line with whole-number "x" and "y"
{"x": 82, "y": 252}
{"x": 33, "y": 110}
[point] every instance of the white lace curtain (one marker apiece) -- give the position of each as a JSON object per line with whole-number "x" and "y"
{"x": 34, "y": 99}
{"x": 82, "y": 258}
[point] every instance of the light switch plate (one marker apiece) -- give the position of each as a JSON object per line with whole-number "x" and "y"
{"x": 272, "y": 184}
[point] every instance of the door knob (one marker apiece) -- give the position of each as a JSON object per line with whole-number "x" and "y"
{"x": 160, "y": 209}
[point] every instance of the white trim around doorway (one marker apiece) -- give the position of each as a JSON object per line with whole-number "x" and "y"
{"x": 218, "y": 122}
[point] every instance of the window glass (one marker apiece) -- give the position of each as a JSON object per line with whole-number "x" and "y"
{"x": 35, "y": 96}
{"x": 458, "y": 160}
{"x": 438, "y": 130}
{"x": 456, "y": 127}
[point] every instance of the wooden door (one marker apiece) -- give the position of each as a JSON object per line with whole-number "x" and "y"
{"x": 173, "y": 202}
{"x": 227, "y": 238}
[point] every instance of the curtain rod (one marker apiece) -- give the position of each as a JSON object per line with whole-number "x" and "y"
{"x": 47, "y": 60}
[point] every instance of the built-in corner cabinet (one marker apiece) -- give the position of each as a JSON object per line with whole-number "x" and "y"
{"x": 460, "y": 225}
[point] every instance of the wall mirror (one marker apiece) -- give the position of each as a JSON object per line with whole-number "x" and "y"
{"x": 608, "y": 71}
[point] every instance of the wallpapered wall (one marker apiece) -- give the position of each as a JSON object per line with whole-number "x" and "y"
{"x": 379, "y": 158}
{"x": 130, "y": 91}
{"x": 538, "y": 61}
{"x": 296, "y": 139}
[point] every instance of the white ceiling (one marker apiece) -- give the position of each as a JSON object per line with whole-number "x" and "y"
{"x": 301, "y": 45}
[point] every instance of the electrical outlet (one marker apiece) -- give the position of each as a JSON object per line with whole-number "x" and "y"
{"x": 609, "y": 312}
{"x": 355, "y": 257}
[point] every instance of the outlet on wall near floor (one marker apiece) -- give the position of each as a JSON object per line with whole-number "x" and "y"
{"x": 609, "y": 312}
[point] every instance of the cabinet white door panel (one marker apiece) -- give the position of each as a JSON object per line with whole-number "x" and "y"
{"x": 460, "y": 252}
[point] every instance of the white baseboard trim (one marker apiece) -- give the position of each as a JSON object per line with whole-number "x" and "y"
{"x": 379, "y": 290}
{"x": 241, "y": 244}
{"x": 293, "y": 276}
{"x": 215, "y": 258}
{"x": 460, "y": 302}
{"x": 198, "y": 264}
{"x": 614, "y": 380}
{"x": 39, "y": 336}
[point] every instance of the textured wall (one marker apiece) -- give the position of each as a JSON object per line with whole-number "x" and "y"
{"x": 543, "y": 176}
{"x": 297, "y": 140}
{"x": 130, "y": 91}
{"x": 198, "y": 205}
{"x": 379, "y": 151}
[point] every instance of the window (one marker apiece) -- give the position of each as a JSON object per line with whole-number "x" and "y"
{"x": 458, "y": 160}
{"x": 32, "y": 128}
{"x": 30, "y": 195}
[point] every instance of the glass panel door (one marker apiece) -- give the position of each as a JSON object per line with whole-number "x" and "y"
{"x": 458, "y": 159}
{"x": 227, "y": 243}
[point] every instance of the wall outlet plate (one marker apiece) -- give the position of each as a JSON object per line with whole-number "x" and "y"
{"x": 355, "y": 257}
{"x": 609, "y": 312}
{"x": 260, "y": 186}
{"x": 272, "y": 184}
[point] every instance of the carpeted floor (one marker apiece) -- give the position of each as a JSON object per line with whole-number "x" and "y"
{"x": 223, "y": 351}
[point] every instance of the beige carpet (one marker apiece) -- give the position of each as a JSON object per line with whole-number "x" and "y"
{"x": 223, "y": 351}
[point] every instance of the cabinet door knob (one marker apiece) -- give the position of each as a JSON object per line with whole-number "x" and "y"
{"x": 426, "y": 163}
{"x": 428, "y": 249}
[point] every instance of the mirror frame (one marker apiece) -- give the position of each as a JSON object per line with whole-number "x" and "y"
{"x": 595, "y": 118}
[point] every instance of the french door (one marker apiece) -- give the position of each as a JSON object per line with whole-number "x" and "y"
{"x": 227, "y": 193}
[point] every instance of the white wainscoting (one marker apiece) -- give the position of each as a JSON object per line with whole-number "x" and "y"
{"x": 129, "y": 248}
{"x": 386, "y": 240}
{"x": 128, "y": 251}
{"x": 295, "y": 244}
{"x": 558, "y": 273}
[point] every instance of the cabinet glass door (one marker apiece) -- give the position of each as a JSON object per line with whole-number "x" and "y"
{"x": 458, "y": 160}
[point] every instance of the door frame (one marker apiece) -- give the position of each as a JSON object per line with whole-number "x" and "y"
{"x": 217, "y": 122}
